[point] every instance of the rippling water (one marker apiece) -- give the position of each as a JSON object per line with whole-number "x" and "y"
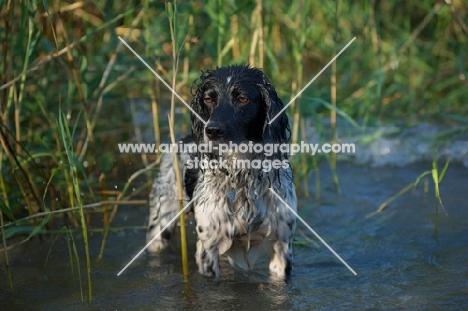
{"x": 401, "y": 262}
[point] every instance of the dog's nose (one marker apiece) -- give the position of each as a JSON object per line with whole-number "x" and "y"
{"x": 214, "y": 131}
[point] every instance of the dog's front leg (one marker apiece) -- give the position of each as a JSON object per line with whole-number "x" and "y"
{"x": 208, "y": 238}
{"x": 282, "y": 257}
{"x": 163, "y": 204}
{"x": 207, "y": 258}
{"x": 281, "y": 260}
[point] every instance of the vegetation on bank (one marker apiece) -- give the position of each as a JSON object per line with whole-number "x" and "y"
{"x": 69, "y": 88}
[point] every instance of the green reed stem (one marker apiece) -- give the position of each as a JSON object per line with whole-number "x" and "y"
{"x": 172, "y": 14}
{"x": 67, "y": 140}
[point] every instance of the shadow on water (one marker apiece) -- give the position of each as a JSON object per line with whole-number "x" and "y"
{"x": 400, "y": 263}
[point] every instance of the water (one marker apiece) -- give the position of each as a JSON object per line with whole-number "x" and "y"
{"x": 401, "y": 262}
{"x": 398, "y": 146}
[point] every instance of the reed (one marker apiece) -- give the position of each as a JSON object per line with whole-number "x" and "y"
{"x": 172, "y": 17}
{"x": 437, "y": 177}
{"x": 408, "y": 64}
{"x": 67, "y": 139}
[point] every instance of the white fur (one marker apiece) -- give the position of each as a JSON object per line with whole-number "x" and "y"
{"x": 243, "y": 225}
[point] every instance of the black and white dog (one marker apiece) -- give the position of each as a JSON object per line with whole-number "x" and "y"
{"x": 236, "y": 213}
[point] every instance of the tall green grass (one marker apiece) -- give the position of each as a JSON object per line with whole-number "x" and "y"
{"x": 408, "y": 63}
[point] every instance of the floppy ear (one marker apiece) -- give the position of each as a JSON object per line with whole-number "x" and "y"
{"x": 278, "y": 131}
{"x": 199, "y": 107}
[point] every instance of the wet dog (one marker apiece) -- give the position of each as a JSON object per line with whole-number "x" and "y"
{"x": 236, "y": 212}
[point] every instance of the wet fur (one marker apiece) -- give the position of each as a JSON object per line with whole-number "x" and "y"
{"x": 236, "y": 214}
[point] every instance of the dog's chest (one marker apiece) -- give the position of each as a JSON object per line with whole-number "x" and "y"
{"x": 236, "y": 208}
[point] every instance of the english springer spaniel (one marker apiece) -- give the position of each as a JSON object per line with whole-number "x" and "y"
{"x": 236, "y": 213}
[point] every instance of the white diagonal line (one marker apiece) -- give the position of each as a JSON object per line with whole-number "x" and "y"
{"x": 157, "y": 235}
{"x": 162, "y": 80}
{"x": 313, "y": 79}
{"x": 315, "y": 233}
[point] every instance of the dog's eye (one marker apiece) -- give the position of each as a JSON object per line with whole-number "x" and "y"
{"x": 208, "y": 100}
{"x": 242, "y": 99}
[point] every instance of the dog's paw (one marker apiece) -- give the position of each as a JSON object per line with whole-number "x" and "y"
{"x": 159, "y": 244}
{"x": 210, "y": 270}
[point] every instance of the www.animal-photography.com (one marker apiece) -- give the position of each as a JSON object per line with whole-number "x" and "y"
{"x": 218, "y": 155}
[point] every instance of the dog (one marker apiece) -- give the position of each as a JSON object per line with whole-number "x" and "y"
{"x": 236, "y": 211}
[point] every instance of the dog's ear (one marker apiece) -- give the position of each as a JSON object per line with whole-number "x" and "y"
{"x": 199, "y": 107}
{"x": 278, "y": 131}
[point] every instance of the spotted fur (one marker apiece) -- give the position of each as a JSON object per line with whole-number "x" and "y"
{"x": 163, "y": 203}
{"x": 236, "y": 214}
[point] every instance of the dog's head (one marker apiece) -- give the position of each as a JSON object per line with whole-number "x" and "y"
{"x": 237, "y": 102}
